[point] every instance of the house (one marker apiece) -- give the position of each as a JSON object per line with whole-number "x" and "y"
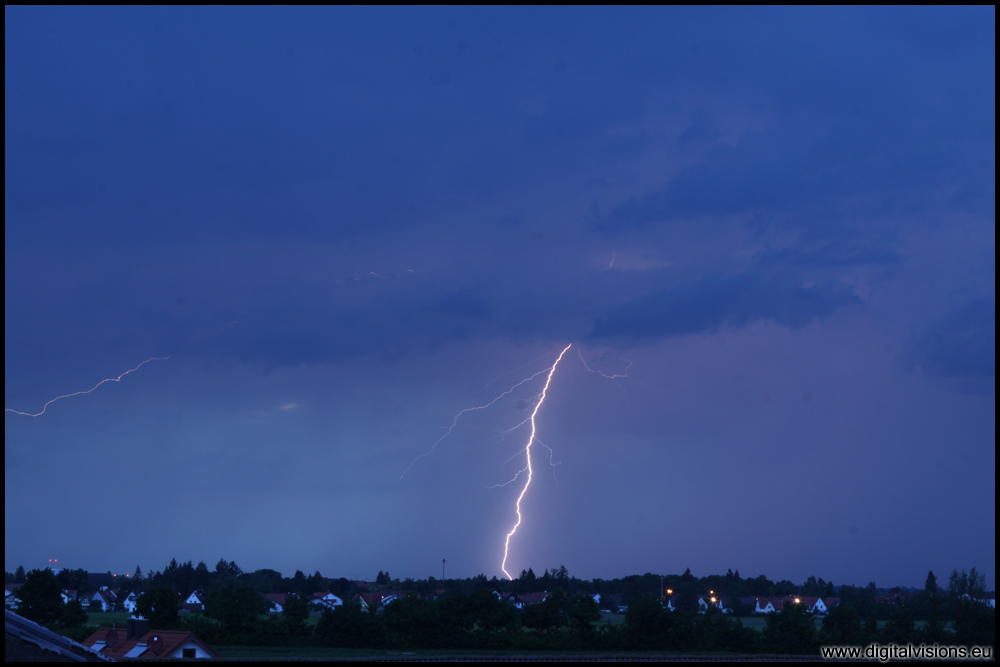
{"x": 768, "y": 605}
{"x": 131, "y": 602}
{"x": 10, "y": 599}
{"x": 671, "y": 603}
{"x": 533, "y": 598}
{"x": 830, "y": 603}
{"x": 194, "y": 602}
{"x": 197, "y": 597}
{"x": 988, "y": 599}
{"x": 706, "y": 601}
{"x": 392, "y": 596}
{"x": 137, "y": 641}
{"x": 325, "y": 599}
{"x": 813, "y": 604}
{"x": 369, "y": 601}
{"x": 70, "y": 595}
{"x": 509, "y": 598}
{"x": 276, "y": 602}
{"x": 102, "y": 600}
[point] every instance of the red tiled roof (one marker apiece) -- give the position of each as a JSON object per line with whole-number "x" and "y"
{"x": 533, "y": 598}
{"x": 170, "y": 641}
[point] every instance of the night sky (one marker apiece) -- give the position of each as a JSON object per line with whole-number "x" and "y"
{"x": 344, "y": 226}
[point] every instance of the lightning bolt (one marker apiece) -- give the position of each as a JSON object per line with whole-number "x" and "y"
{"x": 478, "y": 407}
{"x": 545, "y": 389}
{"x": 552, "y": 464}
{"x": 610, "y": 377}
{"x": 114, "y": 379}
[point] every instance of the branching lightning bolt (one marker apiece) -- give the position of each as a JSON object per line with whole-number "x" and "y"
{"x": 538, "y": 405}
{"x": 114, "y": 379}
{"x": 478, "y": 407}
{"x": 511, "y": 480}
{"x": 610, "y": 377}
{"x": 533, "y": 438}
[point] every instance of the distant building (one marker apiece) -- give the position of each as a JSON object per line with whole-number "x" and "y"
{"x": 370, "y": 602}
{"x": 812, "y": 604}
{"x": 131, "y": 603}
{"x": 10, "y": 599}
{"x": 768, "y": 605}
{"x": 194, "y": 602}
{"x": 276, "y": 602}
{"x": 533, "y": 598}
{"x": 706, "y": 601}
{"x": 325, "y": 599}
{"x": 103, "y": 600}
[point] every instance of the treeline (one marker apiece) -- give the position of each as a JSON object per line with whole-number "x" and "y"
{"x": 186, "y": 577}
{"x": 477, "y": 619}
{"x": 469, "y": 614}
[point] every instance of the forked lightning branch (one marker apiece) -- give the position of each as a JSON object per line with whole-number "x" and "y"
{"x": 532, "y": 438}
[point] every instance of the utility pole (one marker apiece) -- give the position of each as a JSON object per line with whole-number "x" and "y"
{"x": 442, "y": 569}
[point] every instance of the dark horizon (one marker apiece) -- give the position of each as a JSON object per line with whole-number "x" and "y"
{"x": 768, "y": 235}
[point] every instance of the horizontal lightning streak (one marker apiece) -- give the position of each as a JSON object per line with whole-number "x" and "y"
{"x": 114, "y": 379}
{"x": 545, "y": 389}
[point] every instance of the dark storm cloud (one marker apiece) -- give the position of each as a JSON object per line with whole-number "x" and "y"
{"x": 706, "y": 305}
{"x": 818, "y": 180}
{"x": 307, "y": 209}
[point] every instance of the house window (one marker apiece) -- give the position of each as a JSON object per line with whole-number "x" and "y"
{"x": 189, "y": 653}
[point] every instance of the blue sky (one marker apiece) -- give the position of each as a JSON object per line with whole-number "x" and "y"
{"x": 344, "y": 226}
